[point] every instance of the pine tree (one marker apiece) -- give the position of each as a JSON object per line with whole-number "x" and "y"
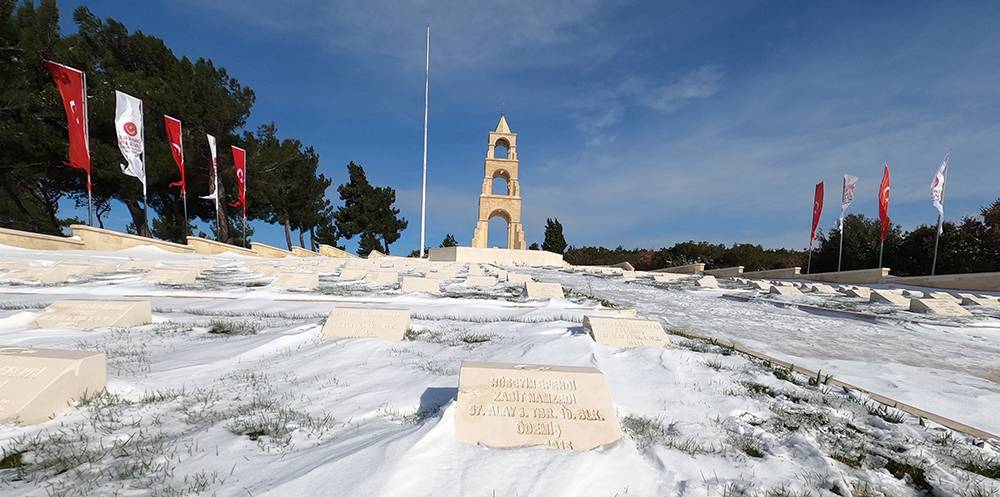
{"x": 368, "y": 210}
{"x": 368, "y": 243}
{"x": 449, "y": 241}
{"x": 554, "y": 241}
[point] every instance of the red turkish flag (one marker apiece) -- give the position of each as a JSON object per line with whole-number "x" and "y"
{"x": 817, "y": 209}
{"x": 72, "y": 85}
{"x": 176, "y": 141}
{"x": 883, "y": 201}
{"x": 240, "y": 165}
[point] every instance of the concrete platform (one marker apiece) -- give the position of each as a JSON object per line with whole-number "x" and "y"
{"x": 499, "y": 256}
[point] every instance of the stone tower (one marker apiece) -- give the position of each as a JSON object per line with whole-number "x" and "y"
{"x": 507, "y": 206}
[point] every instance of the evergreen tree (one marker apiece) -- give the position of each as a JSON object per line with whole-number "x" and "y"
{"x": 368, "y": 211}
{"x": 554, "y": 241}
{"x": 368, "y": 243}
{"x": 534, "y": 246}
{"x": 449, "y": 241}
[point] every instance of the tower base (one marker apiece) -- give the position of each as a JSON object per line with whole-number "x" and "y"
{"x": 499, "y": 256}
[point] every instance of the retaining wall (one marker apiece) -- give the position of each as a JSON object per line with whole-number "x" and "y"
{"x": 212, "y": 247}
{"x": 725, "y": 272}
{"x": 101, "y": 239}
{"x": 498, "y": 256}
{"x": 857, "y": 276}
{"x": 686, "y": 269}
{"x": 788, "y": 272}
{"x": 37, "y": 241}
{"x": 269, "y": 251}
{"x": 984, "y": 282}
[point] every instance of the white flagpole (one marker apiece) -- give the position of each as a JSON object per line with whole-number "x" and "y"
{"x": 86, "y": 134}
{"x": 145, "y": 198}
{"x": 840, "y": 253}
{"x": 423, "y": 189}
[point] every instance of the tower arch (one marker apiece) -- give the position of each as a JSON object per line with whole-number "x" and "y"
{"x": 506, "y": 205}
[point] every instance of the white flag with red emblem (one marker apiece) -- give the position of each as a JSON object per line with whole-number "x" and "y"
{"x": 128, "y": 125}
{"x": 937, "y": 190}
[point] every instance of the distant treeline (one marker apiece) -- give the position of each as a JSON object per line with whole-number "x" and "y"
{"x": 970, "y": 246}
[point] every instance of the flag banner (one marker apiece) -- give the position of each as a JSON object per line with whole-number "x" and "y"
{"x": 214, "y": 194}
{"x": 128, "y": 125}
{"x": 173, "y": 127}
{"x": 817, "y": 209}
{"x": 240, "y": 166}
{"x": 883, "y": 201}
{"x": 937, "y": 191}
{"x": 73, "y": 89}
{"x": 847, "y": 196}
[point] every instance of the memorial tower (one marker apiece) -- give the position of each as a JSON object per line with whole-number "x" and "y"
{"x": 501, "y": 162}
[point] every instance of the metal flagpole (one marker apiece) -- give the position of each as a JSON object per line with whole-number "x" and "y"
{"x": 184, "y": 196}
{"x": 881, "y": 245}
{"x": 809, "y": 260}
{"x": 86, "y": 134}
{"x": 145, "y": 203}
{"x": 90, "y": 203}
{"x": 937, "y": 237}
{"x": 840, "y": 253}
{"x": 423, "y": 190}
{"x": 245, "y": 229}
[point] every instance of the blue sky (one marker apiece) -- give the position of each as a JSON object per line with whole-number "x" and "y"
{"x": 640, "y": 123}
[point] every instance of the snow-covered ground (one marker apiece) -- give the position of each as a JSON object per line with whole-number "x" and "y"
{"x": 233, "y": 391}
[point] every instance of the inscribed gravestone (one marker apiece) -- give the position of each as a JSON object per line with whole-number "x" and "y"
{"x": 36, "y": 384}
{"x": 43, "y": 275}
{"x": 476, "y": 270}
{"x": 820, "y": 288}
{"x": 296, "y": 281}
{"x": 888, "y": 297}
{"x": 543, "y": 290}
{"x": 707, "y": 282}
{"x": 941, "y": 307}
{"x": 172, "y": 276}
{"x": 413, "y": 284}
{"x": 786, "y": 291}
{"x": 624, "y": 332}
{"x": 519, "y": 405}
{"x": 983, "y": 301}
{"x": 353, "y": 274}
{"x": 518, "y": 279}
{"x": 382, "y": 277}
{"x": 480, "y": 281}
{"x": 354, "y": 322}
{"x": 668, "y": 277}
{"x": 860, "y": 292}
{"x": 92, "y": 314}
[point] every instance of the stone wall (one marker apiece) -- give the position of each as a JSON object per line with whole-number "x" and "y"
{"x": 686, "y": 269}
{"x": 854, "y": 277}
{"x": 725, "y": 272}
{"x": 329, "y": 251}
{"x": 212, "y": 247}
{"x": 788, "y": 272}
{"x": 983, "y": 282}
{"x": 101, "y": 239}
{"x": 269, "y": 251}
{"x": 301, "y": 252}
{"x": 497, "y": 256}
{"x": 36, "y": 241}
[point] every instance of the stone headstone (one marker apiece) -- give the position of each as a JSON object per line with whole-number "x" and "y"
{"x": 536, "y": 290}
{"x": 355, "y": 322}
{"x": 136, "y": 265}
{"x": 476, "y": 270}
{"x": 518, "y": 279}
{"x": 501, "y": 274}
{"x": 707, "y": 282}
{"x": 382, "y": 277}
{"x": 353, "y": 274}
{"x": 43, "y": 275}
{"x": 942, "y": 296}
{"x": 937, "y": 306}
{"x": 172, "y": 276}
{"x": 480, "y": 281}
{"x": 625, "y": 333}
{"x": 888, "y": 297}
{"x": 93, "y": 314}
{"x": 88, "y": 268}
{"x": 915, "y": 294}
{"x": 37, "y": 384}
{"x": 412, "y": 284}
{"x": 786, "y": 291}
{"x": 983, "y": 301}
{"x": 296, "y": 281}
{"x": 820, "y": 288}
{"x": 760, "y": 285}
{"x": 520, "y": 405}
{"x": 668, "y": 277}
{"x": 860, "y": 292}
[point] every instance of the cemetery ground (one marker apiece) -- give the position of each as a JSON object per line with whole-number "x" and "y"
{"x": 233, "y": 389}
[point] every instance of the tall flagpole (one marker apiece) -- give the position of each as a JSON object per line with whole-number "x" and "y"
{"x": 86, "y": 133}
{"x": 881, "y": 245}
{"x": 937, "y": 237}
{"x": 840, "y": 253}
{"x": 423, "y": 189}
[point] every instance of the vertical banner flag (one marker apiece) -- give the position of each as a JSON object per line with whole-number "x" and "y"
{"x": 73, "y": 89}
{"x": 240, "y": 166}
{"x": 883, "y": 201}
{"x": 937, "y": 191}
{"x": 214, "y": 194}
{"x": 176, "y": 141}
{"x": 128, "y": 125}
{"x": 847, "y": 197}
{"x": 817, "y": 209}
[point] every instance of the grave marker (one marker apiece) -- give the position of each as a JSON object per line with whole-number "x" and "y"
{"x": 707, "y": 282}
{"x": 859, "y": 292}
{"x": 518, "y": 279}
{"x": 937, "y": 306}
{"x": 626, "y": 332}
{"x": 668, "y": 277}
{"x": 983, "y": 301}
{"x": 353, "y": 274}
{"x": 296, "y": 281}
{"x": 543, "y": 291}
{"x": 382, "y": 277}
{"x": 356, "y": 322}
{"x": 92, "y": 314}
{"x": 888, "y": 297}
{"x": 785, "y": 291}
{"x": 480, "y": 281}
{"x": 820, "y": 288}
{"x": 172, "y": 276}
{"x": 37, "y": 384}
{"x": 412, "y": 284}
{"x": 520, "y": 405}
